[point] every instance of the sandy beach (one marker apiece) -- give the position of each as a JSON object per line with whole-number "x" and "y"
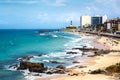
{"x": 94, "y": 63}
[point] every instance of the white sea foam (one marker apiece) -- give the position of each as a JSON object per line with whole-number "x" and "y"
{"x": 67, "y": 37}
{"x": 26, "y": 72}
{"x": 31, "y": 77}
{"x": 46, "y": 56}
{"x": 45, "y": 60}
{"x": 12, "y": 68}
{"x": 74, "y": 50}
{"x": 76, "y": 40}
{"x": 42, "y": 34}
{"x": 54, "y": 36}
{"x": 36, "y": 56}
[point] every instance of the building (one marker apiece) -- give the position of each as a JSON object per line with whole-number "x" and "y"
{"x": 118, "y": 24}
{"x": 71, "y": 27}
{"x": 112, "y": 25}
{"x": 104, "y": 19}
{"x": 85, "y": 21}
{"x": 96, "y": 20}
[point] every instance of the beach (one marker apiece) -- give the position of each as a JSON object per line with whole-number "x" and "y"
{"x": 97, "y": 62}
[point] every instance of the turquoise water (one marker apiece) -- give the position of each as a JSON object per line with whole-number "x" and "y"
{"x": 18, "y": 43}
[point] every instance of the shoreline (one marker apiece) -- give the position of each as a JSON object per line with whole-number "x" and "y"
{"x": 97, "y": 62}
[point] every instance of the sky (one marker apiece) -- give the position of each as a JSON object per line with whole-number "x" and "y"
{"x": 52, "y": 14}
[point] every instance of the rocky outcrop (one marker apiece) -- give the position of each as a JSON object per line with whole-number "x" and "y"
{"x": 14, "y": 67}
{"x": 86, "y": 49}
{"x": 32, "y": 67}
{"x": 60, "y": 69}
{"x": 56, "y": 62}
{"x": 98, "y": 71}
{"x": 74, "y": 62}
{"x": 71, "y": 53}
{"x": 25, "y": 58}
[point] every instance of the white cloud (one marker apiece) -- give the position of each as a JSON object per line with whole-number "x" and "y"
{"x": 110, "y": 7}
{"x": 59, "y": 18}
{"x": 66, "y": 17}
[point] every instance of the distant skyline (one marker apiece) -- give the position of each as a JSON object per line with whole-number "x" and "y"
{"x": 52, "y": 14}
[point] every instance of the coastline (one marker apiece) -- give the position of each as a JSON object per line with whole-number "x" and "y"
{"x": 97, "y": 62}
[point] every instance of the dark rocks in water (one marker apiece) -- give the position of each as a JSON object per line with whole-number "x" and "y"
{"x": 33, "y": 67}
{"x": 49, "y": 72}
{"x": 56, "y": 62}
{"x": 71, "y": 53}
{"x": 39, "y": 68}
{"x": 40, "y": 55}
{"x": 87, "y": 49}
{"x": 25, "y": 58}
{"x": 36, "y": 74}
{"x": 75, "y": 62}
{"x": 13, "y": 66}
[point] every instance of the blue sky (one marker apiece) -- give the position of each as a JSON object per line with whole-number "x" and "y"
{"x": 42, "y": 14}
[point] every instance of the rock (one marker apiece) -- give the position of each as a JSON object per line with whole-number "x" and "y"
{"x": 98, "y": 71}
{"x": 49, "y": 72}
{"x": 75, "y": 74}
{"x": 25, "y": 58}
{"x": 40, "y": 55}
{"x": 75, "y": 62}
{"x": 54, "y": 62}
{"x": 71, "y": 53}
{"x": 82, "y": 66}
{"x": 13, "y": 66}
{"x": 58, "y": 71}
{"x": 86, "y": 49}
{"x": 91, "y": 55}
{"x": 61, "y": 67}
{"x": 113, "y": 68}
{"x": 33, "y": 67}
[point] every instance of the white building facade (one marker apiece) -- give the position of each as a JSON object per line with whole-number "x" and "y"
{"x": 85, "y": 21}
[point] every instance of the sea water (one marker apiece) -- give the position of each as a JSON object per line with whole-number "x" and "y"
{"x": 53, "y": 45}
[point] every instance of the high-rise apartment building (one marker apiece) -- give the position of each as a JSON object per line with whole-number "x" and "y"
{"x": 92, "y": 20}
{"x": 96, "y": 20}
{"x": 85, "y": 21}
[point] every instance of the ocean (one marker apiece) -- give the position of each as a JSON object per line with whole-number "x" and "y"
{"x": 52, "y": 45}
